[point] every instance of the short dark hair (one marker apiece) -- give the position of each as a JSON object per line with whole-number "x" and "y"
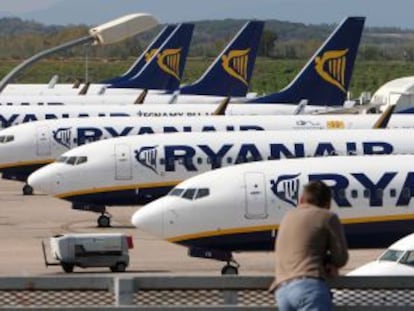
{"x": 318, "y": 193}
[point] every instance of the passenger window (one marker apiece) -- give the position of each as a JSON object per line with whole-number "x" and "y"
{"x": 366, "y": 193}
{"x": 393, "y": 193}
{"x": 229, "y": 160}
{"x": 162, "y": 161}
{"x": 200, "y": 160}
{"x": 203, "y": 192}
{"x": 189, "y": 194}
{"x": 81, "y": 160}
{"x": 2, "y": 138}
{"x": 71, "y": 161}
{"x": 9, "y": 139}
{"x": 354, "y": 194}
{"x": 176, "y": 192}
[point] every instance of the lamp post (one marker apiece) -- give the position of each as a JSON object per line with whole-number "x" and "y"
{"x": 108, "y": 33}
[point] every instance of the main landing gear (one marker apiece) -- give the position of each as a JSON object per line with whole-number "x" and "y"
{"x": 103, "y": 221}
{"x": 27, "y": 190}
{"x": 231, "y": 267}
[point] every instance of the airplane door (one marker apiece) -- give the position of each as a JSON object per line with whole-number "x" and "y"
{"x": 43, "y": 141}
{"x": 256, "y": 203}
{"x": 123, "y": 165}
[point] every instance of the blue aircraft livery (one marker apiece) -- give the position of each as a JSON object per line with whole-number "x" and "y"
{"x": 191, "y": 157}
{"x": 325, "y": 79}
{"x": 286, "y": 188}
{"x": 231, "y": 72}
{"x": 165, "y": 66}
{"x": 143, "y": 59}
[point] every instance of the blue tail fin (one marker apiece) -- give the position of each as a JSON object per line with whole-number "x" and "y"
{"x": 232, "y": 70}
{"x": 325, "y": 79}
{"x": 165, "y": 69}
{"x": 143, "y": 58}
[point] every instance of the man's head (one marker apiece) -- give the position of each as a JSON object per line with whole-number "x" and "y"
{"x": 317, "y": 193}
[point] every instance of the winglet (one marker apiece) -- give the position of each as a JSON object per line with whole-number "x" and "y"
{"x": 385, "y": 117}
{"x": 221, "y": 109}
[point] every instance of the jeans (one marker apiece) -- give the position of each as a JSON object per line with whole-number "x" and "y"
{"x": 305, "y": 295}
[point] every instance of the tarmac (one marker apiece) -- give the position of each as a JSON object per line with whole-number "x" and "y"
{"x": 27, "y": 220}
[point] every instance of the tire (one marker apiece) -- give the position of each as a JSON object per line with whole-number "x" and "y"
{"x": 119, "y": 267}
{"x": 27, "y": 190}
{"x": 67, "y": 267}
{"x": 229, "y": 270}
{"x": 104, "y": 221}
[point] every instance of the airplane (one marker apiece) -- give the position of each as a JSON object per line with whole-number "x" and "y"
{"x": 239, "y": 208}
{"x": 73, "y": 89}
{"x": 345, "y": 39}
{"x": 324, "y": 80}
{"x": 139, "y": 169}
{"x": 397, "y": 260}
{"x": 228, "y": 76}
{"x": 26, "y": 147}
{"x": 163, "y": 71}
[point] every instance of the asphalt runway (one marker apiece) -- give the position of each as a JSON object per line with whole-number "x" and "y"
{"x": 26, "y": 221}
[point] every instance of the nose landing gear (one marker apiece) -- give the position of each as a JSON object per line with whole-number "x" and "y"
{"x": 27, "y": 190}
{"x": 231, "y": 268}
{"x": 104, "y": 221}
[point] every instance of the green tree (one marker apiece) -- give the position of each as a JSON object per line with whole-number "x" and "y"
{"x": 267, "y": 44}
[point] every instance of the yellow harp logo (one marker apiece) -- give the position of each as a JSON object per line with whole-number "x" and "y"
{"x": 331, "y": 67}
{"x": 150, "y": 54}
{"x": 235, "y": 64}
{"x": 169, "y": 62}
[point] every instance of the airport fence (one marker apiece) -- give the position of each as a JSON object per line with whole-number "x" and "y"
{"x": 179, "y": 293}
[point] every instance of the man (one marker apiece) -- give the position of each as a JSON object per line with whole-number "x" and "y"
{"x": 310, "y": 247}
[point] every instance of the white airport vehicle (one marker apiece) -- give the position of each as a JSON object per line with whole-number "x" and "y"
{"x": 88, "y": 250}
{"x": 27, "y": 147}
{"x": 139, "y": 169}
{"x": 239, "y": 208}
{"x": 397, "y": 260}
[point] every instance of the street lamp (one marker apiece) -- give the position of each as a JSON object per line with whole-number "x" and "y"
{"x": 108, "y": 33}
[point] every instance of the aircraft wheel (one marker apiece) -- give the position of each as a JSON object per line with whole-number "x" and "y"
{"x": 229, "y": 270}
{"x": 27, "y": 190}
{"x": 119, "y": 267}
{"x": 67, "y": 267}
{"x": 104, "y": 221}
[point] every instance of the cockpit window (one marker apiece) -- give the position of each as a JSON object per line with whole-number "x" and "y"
{"x": 71, "y": 161}
{"x": 4, "y": 139}
{"x": 189, "y": 194}
{"x": 61, "y": 159}
{"x": 202, "y": 192}
{"x": 391, "y": 255}
{"x": 81, "y": 160}
{"x": 408, "y": 258}
{"x": 176, "y": 192}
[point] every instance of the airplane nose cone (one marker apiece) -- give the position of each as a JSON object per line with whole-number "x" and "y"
{"x": 40, "y": 181}
{"x": 149, "y": 219}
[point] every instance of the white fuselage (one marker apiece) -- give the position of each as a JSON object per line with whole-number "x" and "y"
{"x": 143, "y": 168}
{"x": 240, "y": 207}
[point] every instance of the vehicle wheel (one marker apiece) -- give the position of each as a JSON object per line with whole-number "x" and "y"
{"x": 119, "y": 267}
{"x": 229, "y": 270}
{"x": 27, "y": 190}
{"x": 67, "y": 267}
{"x": 104, "y": 221}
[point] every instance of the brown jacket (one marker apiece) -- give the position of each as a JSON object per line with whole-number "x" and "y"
{"x": 309, "y": 237}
